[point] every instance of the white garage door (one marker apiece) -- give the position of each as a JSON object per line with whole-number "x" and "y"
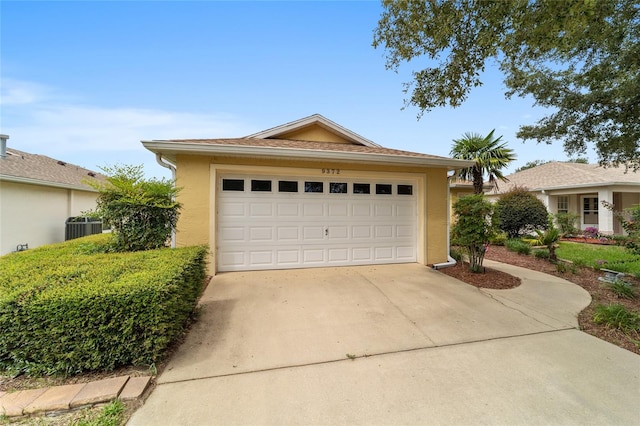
{"x": 279, "y": 223}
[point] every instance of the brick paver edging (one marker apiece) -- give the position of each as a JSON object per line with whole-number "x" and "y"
{"x": 66, "y": 397}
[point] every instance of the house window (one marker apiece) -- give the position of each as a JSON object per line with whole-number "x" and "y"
{"x": 405, "y": 189}
{"x": 383, "y": 188}
{"x": 590, "y": 210}
{"x": 338, "y": 187}
{"x": 563, "y": 204}
{"x": 361, "y": 188}
{"x": 288, "y": 186}
{"x": 313, "y": 187}
{"x": 260, "y": 185}
{"x": 233, "y": 184}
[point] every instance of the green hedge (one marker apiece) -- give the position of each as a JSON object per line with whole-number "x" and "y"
{"x": 68, "y": 308}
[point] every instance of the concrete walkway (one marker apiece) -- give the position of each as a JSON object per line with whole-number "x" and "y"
{"x": 396, "y": 344}
{"x": 58, "y": 399}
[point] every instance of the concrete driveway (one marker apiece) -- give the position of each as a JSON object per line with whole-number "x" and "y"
{"x": 393, "y": 344}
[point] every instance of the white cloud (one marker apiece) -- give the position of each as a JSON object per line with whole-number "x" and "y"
{"x": 41, "y": 121}
{"x": 16, "y": 92}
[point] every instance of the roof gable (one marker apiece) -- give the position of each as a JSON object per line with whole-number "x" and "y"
{"x": 314, "y": 128}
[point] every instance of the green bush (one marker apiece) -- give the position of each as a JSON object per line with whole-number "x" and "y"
{"x": 473, "y": 227}
{"x": 520, "y": 213}
{"x": 518, "y": 246}
{"x": 622, "y": 289}
{"x": 499, "y": 239}
{"x": 68, "y": 308}
{"x": 541, "y": 254}
{"x": 567, "y": 223}
{"x": 142, "y": 213}
{"x": 617, "y": 316}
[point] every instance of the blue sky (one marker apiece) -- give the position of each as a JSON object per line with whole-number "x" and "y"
{"x": 84, "y": 82}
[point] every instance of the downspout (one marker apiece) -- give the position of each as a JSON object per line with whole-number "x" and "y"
{"x": 167, "y": 165}
{"x": 450, "y": 260}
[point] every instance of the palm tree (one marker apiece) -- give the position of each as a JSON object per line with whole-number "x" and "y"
{"x": 490, "y": 157}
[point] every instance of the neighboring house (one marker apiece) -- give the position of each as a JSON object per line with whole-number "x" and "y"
{"x": 580, "y": 188}
{"x": 309, "y": 193}
{"x": 460, "y": 188}
{"x": 37, "y": 195}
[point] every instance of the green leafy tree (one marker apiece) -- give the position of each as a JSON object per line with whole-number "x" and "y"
{"x": 567, "y": 223}
{"x": 142, "y": 213}
{"x": 520, "y": 212}
{"x": 473, "y": 227}
{"x": 578, "y": 58}
{"x": 490, "y": 158}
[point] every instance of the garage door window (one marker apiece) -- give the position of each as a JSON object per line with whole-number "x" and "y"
{"x": 383, "y": 188}
{"x": 260, "y": 185}
{"x": 338, "y": 187}
{"x": 313, "y": 187}
{"x": 405, "y": 189}
{"x": 288, "y": 186}
{"x": 233, "y": 184}
{"x": 361, "y": 188}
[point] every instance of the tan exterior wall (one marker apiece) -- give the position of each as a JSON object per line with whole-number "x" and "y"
{"x": 197, "y": 176}
{"x": 36, "y": 215}
{"x": 313, "y": 133}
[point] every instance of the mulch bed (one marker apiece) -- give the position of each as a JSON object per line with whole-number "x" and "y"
{"x": 585, "y": 277}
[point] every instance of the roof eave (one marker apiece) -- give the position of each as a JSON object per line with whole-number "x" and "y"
{"x": 31, "y": 181}
{"x": 170, "y": 149}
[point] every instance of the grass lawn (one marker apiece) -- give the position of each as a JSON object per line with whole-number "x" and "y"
{"x": 601, "y": 256}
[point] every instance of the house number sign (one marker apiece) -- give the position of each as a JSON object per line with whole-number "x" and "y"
{"x": 330, "y": 171}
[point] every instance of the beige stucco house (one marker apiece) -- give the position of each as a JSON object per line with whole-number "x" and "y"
{"x": 309, "y": 193}
{"x": 37, "y": 195}
{"x": 579, "y": 188}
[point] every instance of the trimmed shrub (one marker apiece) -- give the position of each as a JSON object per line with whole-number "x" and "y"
{"x": 520, "y": 213}
{"x": 67, "y": 308}
{"x": 518, "y": 246}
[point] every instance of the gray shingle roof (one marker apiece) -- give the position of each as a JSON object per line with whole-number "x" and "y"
{"x": 558, "y": 174}
{"x": 308, "y": 145}
{"x": 24, "y": 167}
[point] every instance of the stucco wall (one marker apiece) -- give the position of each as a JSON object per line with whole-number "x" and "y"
{"x": 313, "y": 133}
{"x": 196, "y": 176}
{"x": 36, "y": 215}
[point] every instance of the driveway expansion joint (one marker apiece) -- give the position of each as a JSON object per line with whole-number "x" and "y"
{"x": 355, "y": 357}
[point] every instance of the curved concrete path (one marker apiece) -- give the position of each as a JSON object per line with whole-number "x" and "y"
{"x": 393, "y": 344}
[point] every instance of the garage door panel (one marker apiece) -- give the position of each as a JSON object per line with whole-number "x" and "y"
{"x": 261, "y": 209}
{"x": 383, "y": 210}
{"x": 338, "y": 255}
{"x": 231, "y": 234}
{"x": 311, "y": 256}
{"x": 313, "y": 209}
{"x": 288, "y": 209}
{"x": 313, "y": 233}
{"x": 261, "y": 258}
{"x": 261, "y": 233}
{"x": 288, "y": 233}
{"x": 383, "y": 231}
{"x": 383, "y": 253}
{"x": 361, "y": 209}
{"x": 338, "y": 232}
{"x": 273, "y": 230}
